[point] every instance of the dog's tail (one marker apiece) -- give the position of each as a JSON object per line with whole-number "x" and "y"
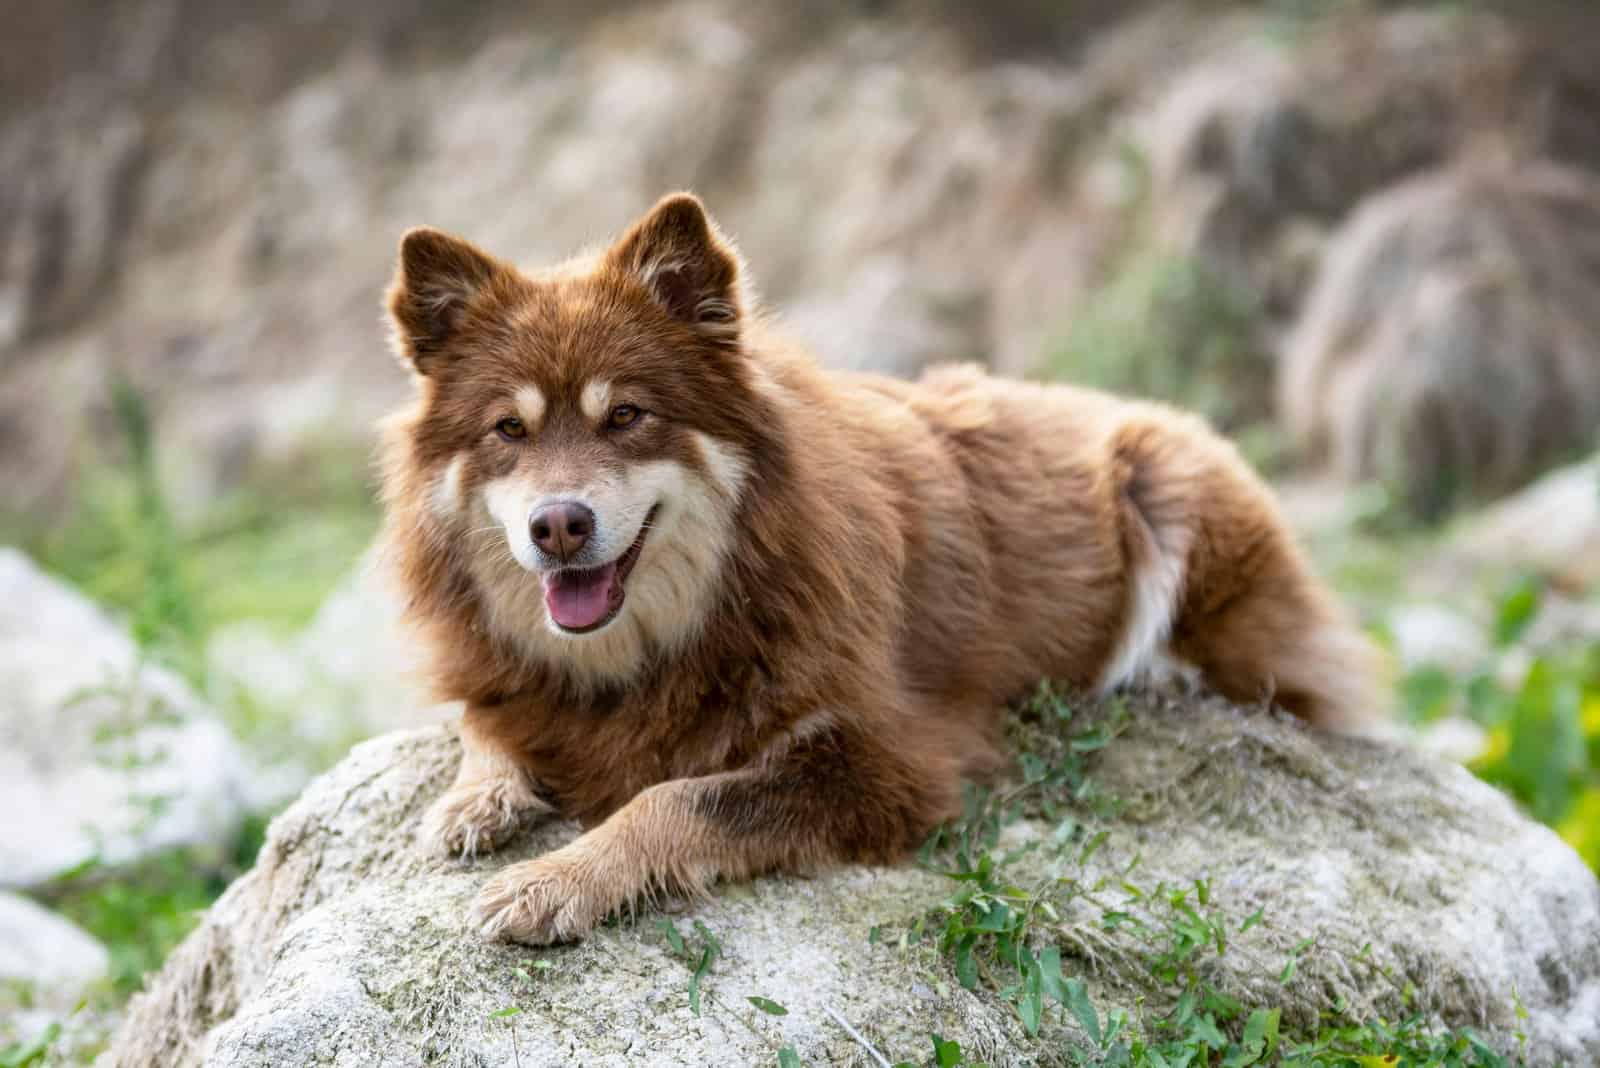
{"x": 1217, "y": 580}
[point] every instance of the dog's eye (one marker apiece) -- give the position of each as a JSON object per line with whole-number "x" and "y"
{"x": 622, "y": 415}
{"x": 511, "y": 429}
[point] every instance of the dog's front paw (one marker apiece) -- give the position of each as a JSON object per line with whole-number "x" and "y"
{"x": 559, "y": 897}
{"x": 473, "y": 817}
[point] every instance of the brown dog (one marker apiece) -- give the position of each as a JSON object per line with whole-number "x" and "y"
{"x": 735, "y": 613}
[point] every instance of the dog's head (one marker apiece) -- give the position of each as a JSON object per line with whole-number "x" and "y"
{"x": 583, "y": 436}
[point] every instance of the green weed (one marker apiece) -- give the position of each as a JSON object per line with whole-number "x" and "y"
{"x": 142, "y": 913}
{"x": 701, "y": 951}
{"x": 1167, "y": 327}
{"x": 28, "y": 1054}
{"x": 270, "y": 550}
{"x": 1543, "y": 729}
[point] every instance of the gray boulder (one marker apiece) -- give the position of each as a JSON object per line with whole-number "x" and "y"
{"x": 1551, "y": 528}
{"x": 348, "y": 943}
{"x": 102, "y": 756}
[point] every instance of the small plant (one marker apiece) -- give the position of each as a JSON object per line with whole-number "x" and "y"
{"x": 508, "y": 1016}
{"x": 28, "y": 1054}
{"x": 1543, "y": 729}
{"x": 143, "y": 913}
{"x": 701, "y": 953}
{"x": 767, "y": 1005}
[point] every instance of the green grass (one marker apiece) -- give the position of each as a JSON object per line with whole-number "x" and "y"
{"x": 141, "y": 913}
{"x": 1543, "y": 724}
{"x": 270, "y": 550}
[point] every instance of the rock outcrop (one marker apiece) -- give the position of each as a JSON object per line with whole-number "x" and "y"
{"x": 348, "y": 943}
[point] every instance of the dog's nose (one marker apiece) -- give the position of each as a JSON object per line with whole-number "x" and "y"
{"x": 562, "y": 529}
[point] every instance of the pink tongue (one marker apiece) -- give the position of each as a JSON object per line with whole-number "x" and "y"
{"x": 580, "y": 599}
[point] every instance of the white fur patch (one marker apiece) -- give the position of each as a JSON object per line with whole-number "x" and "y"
{"x": 729, "y": 469}
{"x": 1167, "y": 672}
{"x": 596, "y": 400}
{"x": 672, "y": 587}
{"x": 530, "y": 405}
{"x": 507, "y": 502}
{"x": 444, "y": 497}
{"x": 1157, "y": 585}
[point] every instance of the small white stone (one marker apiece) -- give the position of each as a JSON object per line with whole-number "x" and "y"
{"x": 39, "y": 947}
{"x": 1427, "y": 635}
{"x": 101, "y": 756}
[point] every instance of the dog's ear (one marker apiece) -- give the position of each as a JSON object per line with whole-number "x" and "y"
{"x": 438, "y": 279}
{"x": 678, "y": 254}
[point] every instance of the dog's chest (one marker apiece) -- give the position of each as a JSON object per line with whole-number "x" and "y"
{"x": 592, "y": 759}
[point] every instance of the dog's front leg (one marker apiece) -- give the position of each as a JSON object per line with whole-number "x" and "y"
{"x": 835, "y": 795}
{"x": 491, "y": 797}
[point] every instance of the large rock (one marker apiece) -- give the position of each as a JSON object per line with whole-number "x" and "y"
{"x": 1451, "y": 345}
{"x": 348, "y": 944}
{"x": 102, "y": 755}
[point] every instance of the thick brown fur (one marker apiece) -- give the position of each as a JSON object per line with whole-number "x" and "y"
{"x": 816, "y": 648}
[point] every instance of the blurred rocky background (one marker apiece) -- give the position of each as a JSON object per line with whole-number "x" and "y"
{"x": 1364, "y": 238}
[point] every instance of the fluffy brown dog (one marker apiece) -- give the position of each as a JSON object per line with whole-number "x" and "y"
{"x": 735, "y": 613}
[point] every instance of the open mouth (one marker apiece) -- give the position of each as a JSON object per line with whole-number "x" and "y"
{"x": 582, "y": 600}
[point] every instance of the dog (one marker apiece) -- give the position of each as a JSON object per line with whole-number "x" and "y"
{"x": 738, "y": 614}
